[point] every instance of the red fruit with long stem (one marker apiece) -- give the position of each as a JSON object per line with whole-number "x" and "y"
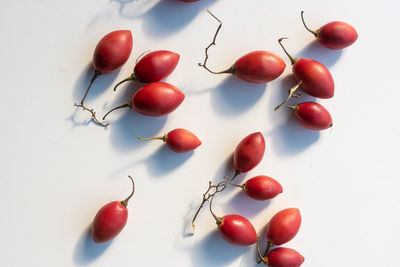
{"x": 314, "y": 78}
{"x": 334, "y": 35}
{"x": 312, "y": 115}
{"x": 178, "y": 140}
{"x": 281, "y": 257}
{"x": 154, "y": 99}
{"x": 283, "y": 226}
{"x": 111, "y": 219}
{"x": 112, "y": 51}
{"x": 249, "y": 152}
{"x": 153, "y": 67}
{"x": 235, "y": 229}
{"x": 262, "y": 187}
{"x": 254, "y": 67}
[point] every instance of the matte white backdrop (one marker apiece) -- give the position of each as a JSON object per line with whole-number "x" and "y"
{"x": 58, "y": 168}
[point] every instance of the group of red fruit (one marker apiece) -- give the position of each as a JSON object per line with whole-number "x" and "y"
{"x": 236, "y": 229}
{"x": 153, "y": 99}
{"x": 313, "y": 77}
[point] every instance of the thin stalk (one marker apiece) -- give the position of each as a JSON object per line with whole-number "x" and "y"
{"x": 163, "y": 138}
{"x": 291, "y": 93}
{"x": 218, "y": 220}
{"x": 126, "y": 105}
{"x": 292, "y": 59}
{"x": 125, "y": 202}
{"x": 304, "y": 23}
{"x": 132, "y": 77}
{"x": 262, "y": 258}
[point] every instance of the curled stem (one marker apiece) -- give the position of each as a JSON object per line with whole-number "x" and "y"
{"x": 126, "y": 105}
{"x": 263, "y": 257}
{"x": 292, "y": 59}
{"x": 125, "y": 202}
{"x": 163, "y": 138}
{"x": 291, "y": 93}
{"x": 218, "y": 220}
{"x": 82, "y": 104}
{"x": 207, "y": 195}
{"x": 132, "y": 77}
{"x": 204, "y": 64}
{"x": 304, "y": 23}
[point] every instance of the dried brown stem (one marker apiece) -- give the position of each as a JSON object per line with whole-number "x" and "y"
{"x": 291, "y": 93}
{"x": 304, "y": 23}
{"x": 125, "y": 202}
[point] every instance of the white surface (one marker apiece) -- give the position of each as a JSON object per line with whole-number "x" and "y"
{"x": 58, "y": 170}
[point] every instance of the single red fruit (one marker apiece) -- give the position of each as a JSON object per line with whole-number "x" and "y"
{"x": 178, "y": 140}
{"x": 237, "y": 230}
{"x": 249, "y": 152}
{"x": 312, "y": 116}
{"x": 284, "y": 257}
{"x": 334, "y": 35}
{"x": 262, "y": 187}
{"x": 153, "y": 67}
{"x": 111, "y": 219}
{"x": 283, "y": 226}
{"x": 112, "y": 51}
{"x": 154, "y": 99}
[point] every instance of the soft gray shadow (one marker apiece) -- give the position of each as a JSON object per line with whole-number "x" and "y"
{"x": 234, "y": 96}
{"x": 320, "y": 53}
{"x": 86, "y": 250}
{"x": 213, "y": 250}
{"x": 244, "y": 205}
{"x": 164, "y": 160}
{"x": 165, "y": 17}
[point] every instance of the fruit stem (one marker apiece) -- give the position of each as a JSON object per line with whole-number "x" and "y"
{"x": 291, "y": 93}
{"x": 292, "y": 59}
{"x": 295, "y": 108}
{"x": 232, "y": 69}
{"x": 239, "y": 185}
{"x": 82, "y": 105}
{"x": 313, "y": 32}
{"x": 218, "y": 220}
{"x": 163, "y": 138}
{"x": 125, "y": 202}
{"x": 262, "y": 258}
{"x": 126, "y": 105}
{"x": 132, "y": 77}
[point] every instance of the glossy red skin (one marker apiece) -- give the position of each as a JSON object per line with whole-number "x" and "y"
{"x": 237, "y": 230}
{"x": 283, "y": 226}
{"x": 112, "y": 51}
{"x": 181, "y": 140}
{"x": 259, "y": 67}
{"x": 316, "y": 79}
{"x": 262, "y": 188}
{"x": 313, "y": 116}
{"x": 157, "y": 99}
{"x": 337, "y": 35}
{"x": 156, "y": 66}
{"x": 109, "y": 221}
{"x": 249, "y": 152}
{"x": 284, "y": 257}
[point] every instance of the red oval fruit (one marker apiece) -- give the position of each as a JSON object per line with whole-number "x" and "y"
{"x": 111, "y": 219}
{"x": 284, "y": 257}
{"x": 237, "y": 230}
{"x": 283, "y": 226}
{"x": 262, "y": 187}
{"x": 259, "y": 67}
{"x": 157, "y": 99}
{"x": 181, "y": 140}
{"x": 112, "y": 51}
{"x": 316, "y": 79}
{"x": 313, "y": 116}
{"x": 334, "y": 35}
{"x": 249, "y": 152}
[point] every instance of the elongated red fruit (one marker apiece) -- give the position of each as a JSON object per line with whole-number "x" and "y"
{"x": 154, "y": 99}
{"x": 334, "y": 35}
{"x": 249, "y": 152}
{"x": 112, "y": 51}
{"x": 153, "y": 67}
{"x": 284, "y": 257}
{"x": 283, "y": 226}
{"x": 237, "y": 230}
{"x": 262, "y": 187}
{"x": 110, "y": 219}
{"x": 312, "y": 116}
{"x": 178, "y": 140}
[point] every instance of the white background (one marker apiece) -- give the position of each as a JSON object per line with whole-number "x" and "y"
{"x": 58, "y": 168}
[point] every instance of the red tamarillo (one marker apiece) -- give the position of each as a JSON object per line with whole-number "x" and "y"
{"x": 334, "y": 35}
{"x": 283, "y": 226}
{"x": 153, "y": 67}
{"x": 254, "y": 67}
{"x": 312, "y": 115}
{"x": 313, "y": 77}
{"x": 111, "y": 219}
{"x": 261, "y": 187}
{"x": 281, "y": 257}
{"x": 178, "y": 140}
{"x": 112, "y": 51}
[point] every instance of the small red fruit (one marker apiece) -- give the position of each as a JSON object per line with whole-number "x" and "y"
{"x": 283, "y": 226}
{"x": 249, "y": 152}
{"x": 178, "y": 140}
{"x": 262, "y": 187}
{"x": 237, "y": 230}
{"x": 111, "y": 219}
{"x": 312, "y": 116}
